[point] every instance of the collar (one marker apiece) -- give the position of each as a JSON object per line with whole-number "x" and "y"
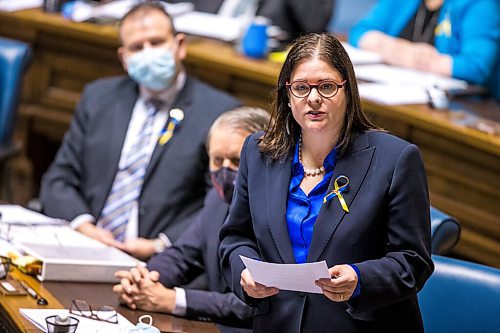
{"x": 169, "y": 95}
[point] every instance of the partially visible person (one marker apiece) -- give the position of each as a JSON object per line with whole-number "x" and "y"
{"x": 295, "y": 17}
{"x": 132, "y": 171}
{"x": 457, "y": 38}
{"x": 323, "y": 183}
{"x": 155, "y": 288}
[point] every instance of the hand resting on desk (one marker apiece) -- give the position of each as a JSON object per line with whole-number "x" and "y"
{"x": 140, "y": 248}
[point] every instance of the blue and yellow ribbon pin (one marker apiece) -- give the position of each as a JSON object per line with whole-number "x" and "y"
{"x": 176, "y": 116}
{"x": 337, "y": 192}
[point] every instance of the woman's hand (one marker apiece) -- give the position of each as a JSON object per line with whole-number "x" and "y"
{"x": 254, "y": 289}
{"x": 342, "y": 284}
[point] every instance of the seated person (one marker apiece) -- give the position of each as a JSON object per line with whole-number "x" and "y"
{"x": 133, "y": 165}
{"x": 457, "y": 38}
{"x": 154, "y": 288}
{"x": 295, "y": 17}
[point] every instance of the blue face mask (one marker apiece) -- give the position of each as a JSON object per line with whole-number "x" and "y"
{"x": 143, "y": 327}
{"x": 152, "y": 68}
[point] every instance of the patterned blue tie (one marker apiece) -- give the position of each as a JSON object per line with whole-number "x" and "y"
{"x": 128, "y": 180}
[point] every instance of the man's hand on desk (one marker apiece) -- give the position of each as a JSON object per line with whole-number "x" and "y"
{"x": 140, "y": 289}
{"x": 105, "y": 236}
{"x": 140, "y": 248}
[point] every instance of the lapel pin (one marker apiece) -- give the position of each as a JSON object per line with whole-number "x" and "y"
{"x": 338, "y": 190}
{"x": 176, "y": 116}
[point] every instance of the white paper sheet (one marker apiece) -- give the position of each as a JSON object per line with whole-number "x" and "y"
{"x": 296, "y": 277}
{"x": 360, "y": 57}
{"x": 13, "y": 5}
{"x": 392, "y": 94}
{"x": 117, "y": 9}
{"x": 210, "y": 25}
{"x": 37, "y": 317}
{"x": 15, "y": 214}
{"x": 406, "y": 77}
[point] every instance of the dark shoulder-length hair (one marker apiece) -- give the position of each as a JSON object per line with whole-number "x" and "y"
{"x": 280, "y": 138}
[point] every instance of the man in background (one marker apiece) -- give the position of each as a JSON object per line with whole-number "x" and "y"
{"x": 155, "y": 288}
{"x": 132, "y": 170}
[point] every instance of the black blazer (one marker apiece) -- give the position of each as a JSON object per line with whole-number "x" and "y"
{"x": 175, "y": 183}
{"x": 386, "y": 234}
{"x": 195, "y": 252}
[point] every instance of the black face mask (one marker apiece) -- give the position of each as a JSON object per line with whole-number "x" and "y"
{"x": 223, "y": 180}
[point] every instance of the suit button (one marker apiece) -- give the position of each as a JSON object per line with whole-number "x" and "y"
{"x": 142, "y": 211}
{"x": 301, "y": 294}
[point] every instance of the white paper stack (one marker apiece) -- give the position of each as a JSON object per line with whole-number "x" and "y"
{"x": 85, "y": 325}
{"x": 66, "y": 254}
{"x": 406, "y": 77}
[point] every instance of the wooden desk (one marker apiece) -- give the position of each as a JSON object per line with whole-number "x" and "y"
{"x": 59, "y": 296}
{"x": 463, "y": 164}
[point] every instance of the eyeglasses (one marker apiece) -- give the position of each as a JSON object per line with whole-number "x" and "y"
{"x": 327, "y": 88}
{"x": 105, "y": 313}
{"x": 4, "y": 267}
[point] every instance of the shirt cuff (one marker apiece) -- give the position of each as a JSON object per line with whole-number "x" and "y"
{"x": 81, "y": 219}
{"x": 180, "y": 302}
{"x": 357, "y": 291}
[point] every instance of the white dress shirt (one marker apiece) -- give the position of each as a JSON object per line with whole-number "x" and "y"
{"x": 138, "y": 117}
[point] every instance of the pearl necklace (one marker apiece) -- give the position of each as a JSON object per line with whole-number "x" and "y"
{"x": 309, "y": 172}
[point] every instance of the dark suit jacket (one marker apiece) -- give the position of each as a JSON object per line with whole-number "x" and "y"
{"x": 386, "y": 234}
{"x": 293, "y": 16}
{"x": 175, "y": 183}
{"x": 195, "y": 252}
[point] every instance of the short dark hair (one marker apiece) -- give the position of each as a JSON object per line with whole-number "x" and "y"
{"x": 280, "y": 139}
{"x": 144, "y": 8}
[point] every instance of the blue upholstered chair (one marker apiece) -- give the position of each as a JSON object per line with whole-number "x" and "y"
{"x": 15, "y": 58}
{"x": 445, "y": 231}
{"x": 461, "y": 296}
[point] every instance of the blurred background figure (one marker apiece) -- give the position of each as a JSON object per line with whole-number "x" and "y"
{"x": 457, "y": 38}
{"x": 132, "y": 170}
{"x": 294, "y": 17}
{"x": 195, "y": 252}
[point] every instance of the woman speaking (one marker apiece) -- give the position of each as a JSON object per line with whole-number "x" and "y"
{"x": 323, "y": 183}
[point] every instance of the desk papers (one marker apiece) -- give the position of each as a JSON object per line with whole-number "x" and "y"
{"x": 13, "y": 5}
{"x": 210, "y": 25}
{"x": 115, "y": 10}
{"x": 85, "y": 325}
{"x": 406, "y": 77}
{"x": 295, "y": 277}
{"x": 393, "y": 94}
{"x": 359, "y": 56}
{"x": 17, "y": 215}
{"x": 66, "y": 254}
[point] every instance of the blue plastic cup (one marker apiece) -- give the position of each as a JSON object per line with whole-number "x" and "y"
{"x": 254, "y": 43}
